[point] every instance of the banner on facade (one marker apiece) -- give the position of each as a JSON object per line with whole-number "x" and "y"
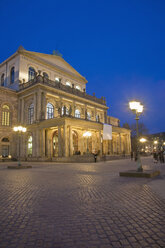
{"x": 107, "y": 132}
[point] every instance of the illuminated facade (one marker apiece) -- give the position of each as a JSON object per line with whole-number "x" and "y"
{"x": 45, "y": 94}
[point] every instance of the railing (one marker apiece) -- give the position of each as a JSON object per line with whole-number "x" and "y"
{"x": 43, "y": 80}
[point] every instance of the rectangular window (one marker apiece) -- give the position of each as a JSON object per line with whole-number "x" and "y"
{"x": 31, "y": 115}
{"x": 5, "y": 118}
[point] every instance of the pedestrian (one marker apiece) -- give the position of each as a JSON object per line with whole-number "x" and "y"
{"x": 95, "y": 157}
{"x": 155, "y": 156}
{"x": 131, "y": 155}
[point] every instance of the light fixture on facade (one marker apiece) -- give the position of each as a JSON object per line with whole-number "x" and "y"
{"x": 87, "y": 134}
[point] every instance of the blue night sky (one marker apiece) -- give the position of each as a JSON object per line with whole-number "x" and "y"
{"x": 117, "y": 45}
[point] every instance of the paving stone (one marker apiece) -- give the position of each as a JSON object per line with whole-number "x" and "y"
{"x": 79, "y": 205}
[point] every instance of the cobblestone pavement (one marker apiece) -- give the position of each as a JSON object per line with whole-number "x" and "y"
{"x": 80, "y": 205}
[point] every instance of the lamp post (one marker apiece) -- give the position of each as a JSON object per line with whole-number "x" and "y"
{"x": 137, "y": 109}
{"x": 87, "y": 135}
{"x": 19, "y": 130}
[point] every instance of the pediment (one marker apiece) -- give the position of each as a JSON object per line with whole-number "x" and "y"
{"x": 54, "y": 60}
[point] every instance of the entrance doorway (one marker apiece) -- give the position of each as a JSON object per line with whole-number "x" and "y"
{"x": 5, "y": 151}
{"x": 55, "y": 144}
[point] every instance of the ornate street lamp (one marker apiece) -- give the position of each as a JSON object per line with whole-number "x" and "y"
{"x": 87, "y": 135}
{"x": 137, "y": 109}
{"x": 19, "y": 130}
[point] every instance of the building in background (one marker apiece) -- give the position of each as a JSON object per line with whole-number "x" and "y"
{"x": 153, "y": 143}
{"x": 48, "y": 96}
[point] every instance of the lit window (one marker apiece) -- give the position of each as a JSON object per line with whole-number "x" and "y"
{"x": 68, "y": 83}
{"x": 50, "y": 111}
{"x": 77, "y": 113}
{"x": 78, "y": 87}
{"x": 31, "y": 114}
{"x": 88, "y": 116}
{"x": 31, "y": 73}
{"x": 3, "y": 79}
{"x": 30, "y": 145}
{"x": 67, "y": 110}
{"x": 12, "y": 75}
{"x": 5, "y": 115}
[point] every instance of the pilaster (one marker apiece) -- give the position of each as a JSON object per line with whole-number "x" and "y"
{"x": 59, "y": 142}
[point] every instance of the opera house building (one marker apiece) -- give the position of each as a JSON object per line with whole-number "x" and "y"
{"x": 45, "y": 94}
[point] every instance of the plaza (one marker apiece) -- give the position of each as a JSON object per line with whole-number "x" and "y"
{"x": 81, "y": 205}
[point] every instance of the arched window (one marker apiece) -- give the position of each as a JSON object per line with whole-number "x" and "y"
{"x": 3, "y": 79}
{"x": 77, "y": 113}
{"x": 5, "y": 115}
{"x": 68, "y": 83}
{"x": 31, "y": 114}
{"x": 31, "y": 73}
{"x": 65, "y": 110}
{"x": 5, "y": 140}
{"x": 88, "y": 116}
{"x": 78, "y": 87}
{"x": 45, "y": 75}
{"x": 50, "y": 111}
{"x": 12, "y": 75}
{"x": 30, "y": 145}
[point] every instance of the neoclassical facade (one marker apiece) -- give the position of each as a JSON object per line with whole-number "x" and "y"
{"x": 46, "y": 95}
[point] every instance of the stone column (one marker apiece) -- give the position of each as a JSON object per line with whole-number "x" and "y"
{"x": 49, "y": 143}
{"x": 37, "y": 143}
{"x": 35, "y": 106}
{"x": 94, "y": 114}
{"x": 42, "y": 147}
{"x": 43, "y": 105}
{"x": 39, "y": 105}
{"x": 120, "y": 148}
{"x": 73, "y": 109}
{"x": 59, "y": 142}
{"x": 19, "y": 110}
{"x": 85, "y": 114}
{"x": 70, "y": 141}
{"x": 22, "y": 111}
{"x": 100, "y": 143}
{"x": 33, "y": 143}
{"x": 46, "y": 142}
{"x": 65, "y": 141}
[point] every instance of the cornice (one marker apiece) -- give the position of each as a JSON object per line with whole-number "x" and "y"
{"x": 62, "y": 93}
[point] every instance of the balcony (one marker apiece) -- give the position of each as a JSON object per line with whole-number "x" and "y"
{"x": 57, "y": 85}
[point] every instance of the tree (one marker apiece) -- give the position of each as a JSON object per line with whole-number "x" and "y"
{"x": 142, "y": 129}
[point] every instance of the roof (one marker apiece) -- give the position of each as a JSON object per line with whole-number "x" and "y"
{"x": 53, "y": 60}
